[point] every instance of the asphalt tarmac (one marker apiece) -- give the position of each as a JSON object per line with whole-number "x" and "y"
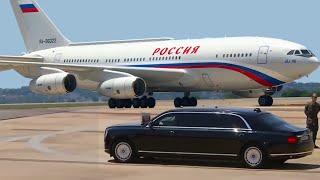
{"x": 67, "y": 143}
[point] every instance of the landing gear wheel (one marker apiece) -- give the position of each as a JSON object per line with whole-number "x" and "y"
{"x": 151, "y": 102}
{"x": 177, "y": 102}
{"x": 112, "y": 103}
{"x": 128, "y": 103}
{"x": 265, "y": 100}
{"x": 123, "y": 151}
{"x": 185, "y": 101}
{"x": 144, "y": 102}
{"x": 193, "y": 102}
{"x": 136, "y": 103}
{"x": 253, "y": 157}
{"x": 120, "y": 103}
{"x": 270, "y": 100}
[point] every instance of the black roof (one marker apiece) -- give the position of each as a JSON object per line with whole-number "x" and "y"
{"x": 239, "y": 111}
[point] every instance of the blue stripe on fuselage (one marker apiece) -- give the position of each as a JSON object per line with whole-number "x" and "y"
{"x": 261, "y": 75}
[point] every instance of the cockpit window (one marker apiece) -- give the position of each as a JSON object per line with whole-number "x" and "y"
{"x": 291, "y": 52}
{"x": 297, "y": 52}
{"x": 305, "y": 52}
{"x": 302, "y": 52}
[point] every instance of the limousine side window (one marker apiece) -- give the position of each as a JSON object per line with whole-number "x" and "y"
{"x": 211, "y": 120}
{"x": 231, "y": 121}
{"x": 196, "y": 120}
{"x": 167, "y": 120}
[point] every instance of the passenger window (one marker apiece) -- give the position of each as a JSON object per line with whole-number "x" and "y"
{"x": 297, "y": 52}
{"x": 167, "y": 120}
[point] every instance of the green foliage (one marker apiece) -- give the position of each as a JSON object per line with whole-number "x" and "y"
{"x": 24, "y": 95}
{"x": 230, "y": 95}
{"x": 298, "y": 93}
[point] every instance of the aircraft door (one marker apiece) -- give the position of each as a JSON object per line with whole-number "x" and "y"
{"x": 263, "y": 55}
{"x": 57, "y": 58}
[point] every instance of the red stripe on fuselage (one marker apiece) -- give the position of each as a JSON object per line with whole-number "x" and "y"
{"x": 236, "y": 69}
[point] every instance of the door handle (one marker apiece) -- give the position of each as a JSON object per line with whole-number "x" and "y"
{"x": 171, "y": 133}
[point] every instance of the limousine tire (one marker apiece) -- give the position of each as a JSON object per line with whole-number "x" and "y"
{"x": 123, "y": 151}
{"x": 253, "y": 157}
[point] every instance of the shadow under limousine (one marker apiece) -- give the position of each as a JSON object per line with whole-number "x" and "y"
{"x": 218, "y": 164}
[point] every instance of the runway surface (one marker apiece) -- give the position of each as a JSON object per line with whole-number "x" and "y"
{"x": 67, "y": 143}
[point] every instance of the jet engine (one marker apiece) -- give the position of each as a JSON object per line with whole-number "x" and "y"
{"x": 54, "y": 84}
{"x": 123, "y": 88}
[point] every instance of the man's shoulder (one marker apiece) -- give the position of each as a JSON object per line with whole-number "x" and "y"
{"x": 309, "y": 104}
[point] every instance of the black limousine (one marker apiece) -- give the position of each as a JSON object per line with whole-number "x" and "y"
{"x": 252, "y": 136}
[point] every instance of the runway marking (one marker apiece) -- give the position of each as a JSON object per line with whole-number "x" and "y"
{"x": 36, "y": 130}
{"x": 32, "y": 114}
{"x": 36, "y": 141}
{"x": 15, "y": 138}
{"x": 51, "y": 161}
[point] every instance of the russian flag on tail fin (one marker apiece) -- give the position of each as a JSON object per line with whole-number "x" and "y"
{"x": 28, "y": 8}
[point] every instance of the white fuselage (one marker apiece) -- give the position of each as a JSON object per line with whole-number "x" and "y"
{"x": 237, "y": 63}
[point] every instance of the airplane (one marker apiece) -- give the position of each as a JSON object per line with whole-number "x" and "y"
{"x": 130, "y": 71}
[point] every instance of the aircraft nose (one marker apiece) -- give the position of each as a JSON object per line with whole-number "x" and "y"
{"x": 304, "y": 67}
{"x": 314, "y": 61}
{"x": 311, "y": 64}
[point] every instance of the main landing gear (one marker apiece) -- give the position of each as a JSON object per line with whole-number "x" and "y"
{"x": 144, "y": 102}
{"x": 265, "y": 100}
{"x": 185, "y": 101}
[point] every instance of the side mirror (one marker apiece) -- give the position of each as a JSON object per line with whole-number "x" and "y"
{"x": 146, "y": 119}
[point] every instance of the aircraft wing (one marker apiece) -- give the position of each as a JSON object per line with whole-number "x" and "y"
{"x": 149, "y": 74}
{"x": 7, "y": 66}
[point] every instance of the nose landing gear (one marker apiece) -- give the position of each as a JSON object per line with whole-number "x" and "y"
{"x": 265, "y": 100}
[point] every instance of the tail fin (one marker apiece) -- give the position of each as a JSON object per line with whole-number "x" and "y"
{"x": 37, "y": 29}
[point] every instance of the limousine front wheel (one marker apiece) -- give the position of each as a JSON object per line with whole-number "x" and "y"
{"x": 253, "y": 157}
{"x": 123, "y": 151}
